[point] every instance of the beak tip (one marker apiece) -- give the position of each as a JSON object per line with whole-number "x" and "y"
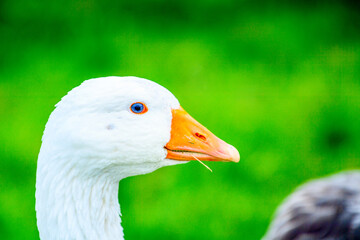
{"x": 234, "y": 154}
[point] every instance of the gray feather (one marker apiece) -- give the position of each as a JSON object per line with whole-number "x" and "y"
{"x": 326, "y": 209}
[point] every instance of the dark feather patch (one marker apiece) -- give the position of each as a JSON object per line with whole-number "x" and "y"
{"x": 325, "y": 209}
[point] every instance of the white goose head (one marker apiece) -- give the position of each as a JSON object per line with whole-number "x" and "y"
{"x": 101, "y": 132}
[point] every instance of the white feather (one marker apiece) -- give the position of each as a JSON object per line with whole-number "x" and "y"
{"x": 91, "y": 141}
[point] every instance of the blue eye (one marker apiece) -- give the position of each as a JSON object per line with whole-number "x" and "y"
{"x": 138, "y": 108}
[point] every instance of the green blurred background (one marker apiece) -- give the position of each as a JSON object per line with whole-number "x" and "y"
{"x": 279, "y": 81}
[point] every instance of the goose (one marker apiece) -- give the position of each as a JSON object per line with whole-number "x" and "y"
{"x": 326, "y": 208}
{"x": 103, "y": 131}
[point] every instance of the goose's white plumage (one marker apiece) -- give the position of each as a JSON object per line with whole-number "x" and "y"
{"x": 92, "y": 140}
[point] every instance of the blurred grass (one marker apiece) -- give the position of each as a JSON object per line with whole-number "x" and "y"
{"x": 279, "y": 81}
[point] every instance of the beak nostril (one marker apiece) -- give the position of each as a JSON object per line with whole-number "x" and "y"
{"x": 199, "y": 135}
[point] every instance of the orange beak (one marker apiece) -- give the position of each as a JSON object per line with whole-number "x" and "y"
{"x": 190, "y": 140}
